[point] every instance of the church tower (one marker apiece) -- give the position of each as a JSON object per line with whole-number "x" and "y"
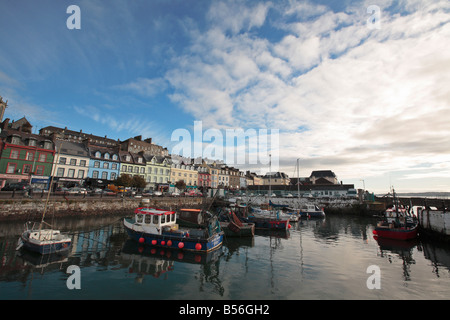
{"x": 3, "y": 106}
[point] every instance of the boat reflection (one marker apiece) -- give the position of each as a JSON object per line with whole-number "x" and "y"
{"x": 155, "y": 261}
{"x": 390, "y": 248}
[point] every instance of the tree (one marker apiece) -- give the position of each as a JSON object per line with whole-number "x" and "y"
{"x": 180, "y": 185}
{"x": 124, "y": 180}
{"x": 138, "y": 182}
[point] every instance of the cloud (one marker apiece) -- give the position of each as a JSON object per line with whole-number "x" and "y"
{"x": 339, "y": 91}
{"x": 145, "y": 87}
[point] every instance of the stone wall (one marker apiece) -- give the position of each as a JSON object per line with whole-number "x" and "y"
{"x": 33, "y": 209}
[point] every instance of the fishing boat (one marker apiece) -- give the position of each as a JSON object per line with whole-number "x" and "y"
{"x": 311, "y": 211}
{"x": 234, "y": 227}
{"x": 157, "y": 227}
{"x": 268, "y": 219}
{"x": 397, "y": 223}
{"x": 192, "y": 218}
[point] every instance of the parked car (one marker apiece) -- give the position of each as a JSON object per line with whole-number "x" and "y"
{"x": 20, "y": 186}
{"x": 147, "y": 193}
{"x": 157, "y": 193}
{"x": 77, "y": 190}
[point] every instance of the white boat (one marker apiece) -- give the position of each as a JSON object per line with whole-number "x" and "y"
{"x": 44, "y": 241}
{"x": 311, "y": 211}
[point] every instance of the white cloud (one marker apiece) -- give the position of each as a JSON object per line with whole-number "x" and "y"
{"x": 359, "y": 95}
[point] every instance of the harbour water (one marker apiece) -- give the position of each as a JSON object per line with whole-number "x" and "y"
{"x": 317, "y": 259}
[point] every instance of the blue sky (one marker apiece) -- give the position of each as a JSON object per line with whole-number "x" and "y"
{"x": 368, "y": 103}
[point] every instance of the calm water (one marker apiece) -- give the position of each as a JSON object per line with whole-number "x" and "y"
{"x": 317, "y": 260}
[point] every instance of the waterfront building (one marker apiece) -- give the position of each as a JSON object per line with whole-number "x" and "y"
{"x": 24, "y": 156}
{"x": 138, "y": 146}
{"x": 71, "y": 164}
{"x": 234, "y": 178}
{"x": 204, "y": 177}
{"x": 323, "y": 177}
{"x": 224, "y": 177}
{"x": 157, "y": 172}
{"x": 76, "y": 136}
{"x": 132, "y": 164}
{"x": 186, "y": 172}
{"x": 276, "y": 178}
{"x": 104, "y": 165}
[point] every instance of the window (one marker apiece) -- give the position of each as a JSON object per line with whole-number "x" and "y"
{"x": 114, "y": 157}
{"x": 124, "y": 168}
{"x": 149, "y": 170}
{"x": 11, "y": 168}
{"x": 98, "y": 154}
{"x": 47, "y": 145}
{"x": 139, "y": 160}
{"x": 62, "y": 160}
{"x": 105, "y": 175}
{"x": 15, "y": 140}
{"x": 106, "y": 156}
{"x": 29, "y": 156}
{"x": 130, "y": 169}
{"x": 60, "y": 172}
{"x": 136, "y": 169}
{"x": 114, "y": 166}
{"x": 97, "y": 164}
{"x": 83, "y": 163}
{"x": 73, "y": 162}
{"x": 26, "y": 168}
{"x": 105, "y": 165}
{"x": 42, "y": 157}
{"x": 71, "y": 173}
{"x": 40, "y": 170}
{"x": 113, "y": 175}
{"x": 95, "y": 174}
{"x": 80, "y": 174}
{"x": 32, "y": 142}
{"x": 142, "y": 170}
{"x": 14, "y": 154}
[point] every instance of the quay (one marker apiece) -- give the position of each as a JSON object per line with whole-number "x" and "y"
{"x": 24, "y": 209}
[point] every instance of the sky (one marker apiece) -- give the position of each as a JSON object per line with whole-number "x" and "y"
{"x": 357, "y": 87}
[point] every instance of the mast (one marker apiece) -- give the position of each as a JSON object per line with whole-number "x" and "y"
{"x": 298, "y": 179}
{"x": 56, "y": 160}
{"x": 270, "y": 173}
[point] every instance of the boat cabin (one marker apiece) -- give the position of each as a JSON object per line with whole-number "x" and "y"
{"x": 157, "y": 218}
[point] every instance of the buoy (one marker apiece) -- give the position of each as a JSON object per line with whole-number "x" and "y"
{"x": 198, "y": 246}
{"x": 141, "y": 249}
{"x": 374, "y": 231}
{"x": 181, "y": 245}
{"x": 163, "y": 243}
{"x": 169, "y": 243}
{"x": 289, "y": 226}
{"x": 141, "y": 240}
{"x": 154, "y": 242}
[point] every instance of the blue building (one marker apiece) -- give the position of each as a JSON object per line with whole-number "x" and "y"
{"x": 104, "y": 165}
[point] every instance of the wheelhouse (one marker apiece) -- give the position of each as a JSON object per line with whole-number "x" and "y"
{"x": 155, "y": 217}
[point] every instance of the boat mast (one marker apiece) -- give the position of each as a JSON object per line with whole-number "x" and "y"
{"x": 56, "y": 160}
{"x": 298, "y": 179}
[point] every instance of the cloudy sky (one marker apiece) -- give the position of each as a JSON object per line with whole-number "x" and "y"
{"x": 357, "y": 87}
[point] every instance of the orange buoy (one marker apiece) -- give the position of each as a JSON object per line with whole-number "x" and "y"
{"x": 181, "y": 245}
{"x": 198, "y": 246}
{"x": 141, "y": 240}
{"x": 169, "y": 243}
{"x": 154, "y": 242}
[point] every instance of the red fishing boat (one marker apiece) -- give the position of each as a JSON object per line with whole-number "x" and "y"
{"x": 398, "y": 223}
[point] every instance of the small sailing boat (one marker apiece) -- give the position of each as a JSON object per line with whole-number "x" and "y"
{"x": 44, "y": 241}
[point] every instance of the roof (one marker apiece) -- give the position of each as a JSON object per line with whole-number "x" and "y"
{"x": 153, "y": 211}
{"x": 323, "y": 173}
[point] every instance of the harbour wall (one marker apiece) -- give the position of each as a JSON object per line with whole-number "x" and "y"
{"x": 435, "y": 223}
{"x": 33, "y": 209}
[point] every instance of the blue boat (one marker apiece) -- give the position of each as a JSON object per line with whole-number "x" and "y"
{"x": 157, "y": 227}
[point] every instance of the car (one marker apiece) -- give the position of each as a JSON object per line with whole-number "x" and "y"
{"x": 77, "y": 190}
{"x": 157, "y": 193}
{"x": 20, "y": 186}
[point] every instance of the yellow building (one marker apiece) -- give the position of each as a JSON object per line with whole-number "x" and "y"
{"x": 184, "y": 172}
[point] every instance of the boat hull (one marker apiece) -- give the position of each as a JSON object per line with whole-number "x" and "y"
{"x": 46, "y": 248}
{"x": 172, "y": 241}
{"x": 269, "y": 224}
{"x": 233, "y": 230}
{"x": 397, "y": 233}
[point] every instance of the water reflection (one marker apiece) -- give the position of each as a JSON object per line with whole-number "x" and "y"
{"x": 388, "y": 248}
{"x": 315, "y": 248}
